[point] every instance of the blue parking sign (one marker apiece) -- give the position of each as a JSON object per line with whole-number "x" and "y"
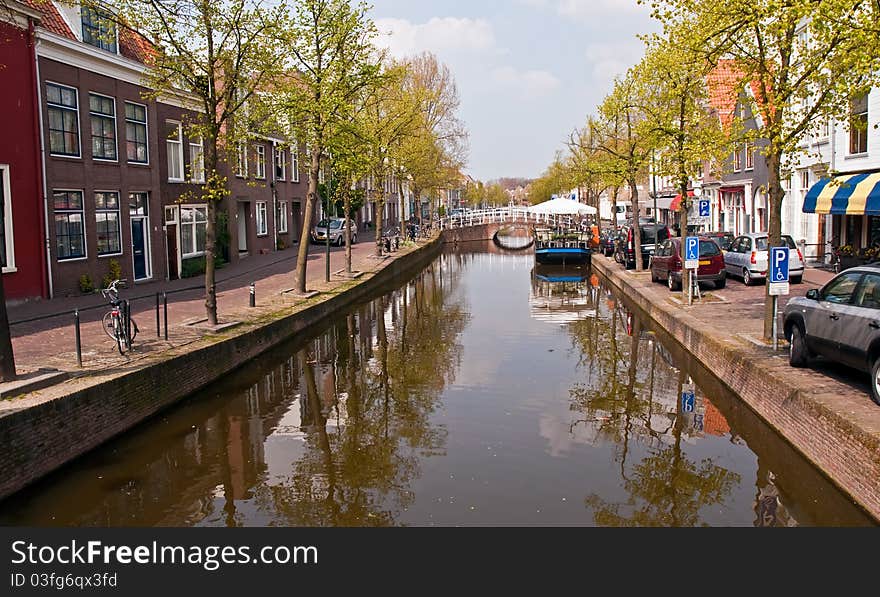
{"x": 692, "y": 248}
{"x": 688, "y": 402}
{"x": 704, "y": 208}
{"x": 779, "y": 265}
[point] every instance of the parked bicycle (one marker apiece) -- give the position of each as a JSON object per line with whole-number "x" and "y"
{"x": 833, "y": 256}
{"x": 114, "y": 319}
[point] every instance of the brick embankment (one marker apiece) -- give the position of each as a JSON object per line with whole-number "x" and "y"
{"x": 47, "y": 429}
{"x": 834, "y": 426}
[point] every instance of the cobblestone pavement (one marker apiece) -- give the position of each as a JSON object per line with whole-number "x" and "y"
{"x": 50, "y": 343}
{"x": 740, "y": 309}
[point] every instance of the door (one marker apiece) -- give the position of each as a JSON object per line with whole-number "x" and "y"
{"x": 859, "y": 324}
{"x": 733, "y": 257}
{"x": 824, "y": 319}
{"x": 171, "y": 239}
{"x": 242, "y": 228}
{"x": 139, "y": 249}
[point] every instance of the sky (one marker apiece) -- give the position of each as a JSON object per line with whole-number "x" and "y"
{"x": 529, "y": 72}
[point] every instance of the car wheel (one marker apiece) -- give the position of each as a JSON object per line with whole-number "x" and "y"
{"x": 798, "y": 355}
{"x": 797, "y": 280}
{"x": 721, "y": 283}
{"x": 875, "y": 381}
{"x": 747, "y": 277}
{"x": 673, "y": 285}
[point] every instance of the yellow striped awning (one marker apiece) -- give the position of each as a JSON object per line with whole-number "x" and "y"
{"x": 845, "y": 195}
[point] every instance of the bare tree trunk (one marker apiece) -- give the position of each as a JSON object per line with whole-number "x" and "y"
{"x": 211, "y": 232}
{"x": 774, "y": 232}
{"x": 685, "y": 273}
{"x": 400, "y": 203}
{"x": 303, "y": 255}
{"x": 614, "y": 192}
{"x": 7, "y": 358}
{"x": 380, "y": 207}
{"x": 347, "y": 208}
{"x": 637, "y": 229}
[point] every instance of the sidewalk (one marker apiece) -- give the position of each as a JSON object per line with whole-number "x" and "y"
{"x": 50, "y": 343}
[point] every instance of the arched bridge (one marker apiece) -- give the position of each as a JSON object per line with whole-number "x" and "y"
{"x": 506, "y": 226}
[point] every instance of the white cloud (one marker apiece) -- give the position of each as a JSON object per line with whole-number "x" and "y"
{"x": 611, "y": 59}
{"x": 594, "y": 8}
{"x": 530, "y": 84}
{"x": 448, "y": 34}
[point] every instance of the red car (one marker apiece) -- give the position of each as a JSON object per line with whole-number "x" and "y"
{"x": 666, "y": 264}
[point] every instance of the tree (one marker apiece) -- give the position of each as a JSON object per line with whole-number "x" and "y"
{"x": 677, "y": 118}
{"x": 805, "y": 59}
{"x": 220, "y": 54}
{"x": 618, "y": 131}
{"x": 331, "y": 45}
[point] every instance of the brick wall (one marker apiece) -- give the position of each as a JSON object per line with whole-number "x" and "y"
{"x": 39, "y": 439}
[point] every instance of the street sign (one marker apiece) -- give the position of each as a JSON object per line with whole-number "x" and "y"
{"x": 779, "y": 275}
{"x": 692, "y": 252}
{"x": 688, "y": 401}
{"x": 704, "y": 208}
{"x": 699, "y": 423}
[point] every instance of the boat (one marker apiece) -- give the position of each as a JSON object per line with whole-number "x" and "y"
{"x": 562, "y": 246}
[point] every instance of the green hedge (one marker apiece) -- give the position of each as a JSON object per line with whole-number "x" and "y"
{"x": 196, "y": 266}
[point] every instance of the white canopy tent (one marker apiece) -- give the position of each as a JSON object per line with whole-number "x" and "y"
{"x": 563, "y": 206}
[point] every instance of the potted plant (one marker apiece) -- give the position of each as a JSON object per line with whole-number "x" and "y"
{"x": 848, "y": 257}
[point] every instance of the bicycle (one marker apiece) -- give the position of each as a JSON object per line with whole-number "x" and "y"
{"x": 113, "y": 322}
{"x": 834, "y": 257}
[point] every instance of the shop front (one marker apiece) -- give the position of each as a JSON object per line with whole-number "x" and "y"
{"x": 853, "y": 202}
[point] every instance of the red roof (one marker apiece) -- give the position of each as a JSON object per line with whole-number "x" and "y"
{"x": 724, "y": 84}
{"x": 51, "y": 18}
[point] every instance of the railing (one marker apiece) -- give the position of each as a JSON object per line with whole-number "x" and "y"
{"x": 503, "y": 215}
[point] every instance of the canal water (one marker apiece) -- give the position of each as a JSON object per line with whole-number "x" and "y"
{"x": 483, "y": 392}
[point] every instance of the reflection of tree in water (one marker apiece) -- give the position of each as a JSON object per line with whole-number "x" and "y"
{"x": 382, "y": 385}
{"x": 618, "y": 401}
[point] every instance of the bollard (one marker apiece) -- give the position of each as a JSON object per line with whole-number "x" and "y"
{"x": 79, "y": 356}
{"x": 165, "y": 302}
{"x": 127, "y": 323}
{"x": 253, "y": 295}
{"x": 158, "y": 323}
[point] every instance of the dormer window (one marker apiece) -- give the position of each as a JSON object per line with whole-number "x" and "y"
{"x": 98, "y": 29}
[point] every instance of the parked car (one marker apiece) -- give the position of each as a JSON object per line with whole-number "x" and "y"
{"x": 840, "y": 322}
{"x": 724, "y": 239}
{"x": 666, "y": 263}
{"x": 337, "y": 231}
{"x": 624, "y": 249}
{"x": 748, "y": 258}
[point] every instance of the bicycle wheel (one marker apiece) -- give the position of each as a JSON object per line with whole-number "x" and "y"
{"x": 119, "y": 332}
{"x": 107, "y": 322}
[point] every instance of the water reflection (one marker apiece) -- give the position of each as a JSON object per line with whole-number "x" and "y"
{"x": 483, "y": 391}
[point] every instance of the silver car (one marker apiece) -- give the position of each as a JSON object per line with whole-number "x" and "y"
{"x": 336, "y": 231}
{"x": 748, "y": 258}
{"x": 840, "y": 322}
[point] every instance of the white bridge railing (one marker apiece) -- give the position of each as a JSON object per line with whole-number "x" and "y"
{"x": 502, "y": 215}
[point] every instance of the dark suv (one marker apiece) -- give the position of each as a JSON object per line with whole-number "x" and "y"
{"x": 724, "y": 239}
{"x": 624, "y": 250}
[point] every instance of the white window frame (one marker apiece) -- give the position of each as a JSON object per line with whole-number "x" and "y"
{"x": 737, "y": 159}
{"x": 118, "y": 212}
{"x": 78, "y": 154}
{"x": 180, "y": 224}
{"x": 98, "y": 14}
{"x": 294, "y": 163}
{"x": 261, "y": 162}
{"x": 146, "y": 124}
{"x": 262, "y": 218}
{"x": 281, "y": 217}
{"x": 241, "y": 167}
{"x": 863, "y": 134}
{"x": 750, "y": 157}
{"x": 197, "y": 175}
{"x": 179, "y": 151}
{"x": 82, "y": 212}
{"x": 279, "y": 160}
{"x": 115, "y": 127}
{"x": 8, "y": 224}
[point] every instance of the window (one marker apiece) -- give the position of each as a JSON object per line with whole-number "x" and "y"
{"x": 102, "y": 110}
{"x": 63, "y": 109}
{"x": 98, "y": 30}
{"x": 136, "y": 148}
{"x": 858, "y": 131}
{"x": 294, "y": 164}
{"x": 108, "y": 230}
{"x": 750, "y": 156}
{"x": 7, "y": 246}
{"x": 805, "y": 180}
{"x": 197, "y": 162}
{"x": 138, "y": 204}
{"x": 279, "y": 164}
{"x": 174, "y": 144}
{"x": 869, "y": 294}
{"x": 262, "y": 223}
{"x": 241, "y": 168}
{"x": 841, "y": 290}
{"x": 70, "y": 231}
{"x": 261, "y": 162}
{"x": 281, "y": 217}
{"x": 193, "y": 229}
{"x": 737, "y": 159}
